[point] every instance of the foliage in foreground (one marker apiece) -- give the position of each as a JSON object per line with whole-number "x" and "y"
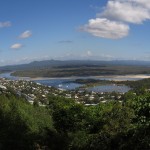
{"x": 108, "y": 126}
{"x": 24, "y": 127}
{"x": 64, "y": 124}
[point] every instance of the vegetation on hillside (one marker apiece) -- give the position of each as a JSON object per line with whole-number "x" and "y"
{"x": 82, "y": 70}
{"x": 64, "y": 124}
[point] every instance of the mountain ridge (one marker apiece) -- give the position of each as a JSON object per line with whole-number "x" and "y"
{"x": 58, "y": 63}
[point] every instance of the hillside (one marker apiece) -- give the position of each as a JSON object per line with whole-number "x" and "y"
{"x": 64, "y": 124}
{"x": 56, "y": 63}
{"x": 57, "y": 68}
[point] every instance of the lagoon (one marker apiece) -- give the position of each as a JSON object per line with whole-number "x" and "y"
{"x": 110, "y": 88}
{"x": 68, "y": 83}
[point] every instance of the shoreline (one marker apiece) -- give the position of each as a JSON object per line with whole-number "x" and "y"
{"x": 102, "y": 77}
{"x": 116, "y": 77}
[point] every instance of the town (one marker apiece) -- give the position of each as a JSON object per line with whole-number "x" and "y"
{"x": 37, "y": 93}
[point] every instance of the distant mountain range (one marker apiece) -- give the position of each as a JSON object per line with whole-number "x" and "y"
{"x": 68, "y": 63}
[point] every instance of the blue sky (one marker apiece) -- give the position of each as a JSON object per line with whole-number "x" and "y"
{"x": 74, "y": 29}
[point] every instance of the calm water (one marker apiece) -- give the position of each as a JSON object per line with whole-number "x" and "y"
{"x": 69, "y": 85}
{"x": 8, "y": 75}
{"x": 60, "y": 83}
{"x": 110, "y": 88}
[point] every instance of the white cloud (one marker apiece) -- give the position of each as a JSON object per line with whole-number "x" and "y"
{"x": 102, "y": 27}
{"x": 144, "y": 3}
{"x": 5, "y": 24}
{"x": 16, "y": 46}
{"x": 127, "y": 11}
{"x": 115, "y": 19}
{"x": 26, "y": 34}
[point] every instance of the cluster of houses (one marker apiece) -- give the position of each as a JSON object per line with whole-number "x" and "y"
{"x": 35, "y": 92}
{"x": 31, "y": 91}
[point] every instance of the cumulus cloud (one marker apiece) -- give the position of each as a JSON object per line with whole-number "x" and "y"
{"x": 144, "y": 3}
{"x": 102, "y": 27}
{"x": 132, "y": 11}
{"x": 16, "y": 46}
{"x": 26, "y": 34}
{"x": 5, "y": 24}
{"x": 115, "y": 19}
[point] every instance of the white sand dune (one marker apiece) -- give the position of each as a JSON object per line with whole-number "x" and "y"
{"x": 114, "y": 77}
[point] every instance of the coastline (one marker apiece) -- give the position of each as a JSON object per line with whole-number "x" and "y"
{"x": 102, "y": 77}
{"x": 116, "y": 77}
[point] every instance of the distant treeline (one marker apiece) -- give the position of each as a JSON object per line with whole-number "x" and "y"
{"x": 138, "y": 86}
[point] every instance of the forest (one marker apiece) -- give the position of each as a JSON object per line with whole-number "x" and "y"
{"x": 81, "y": 70}
{"x": 66, "y": 125}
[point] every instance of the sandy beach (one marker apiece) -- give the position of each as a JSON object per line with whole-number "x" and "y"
{"x": 115, "y": 77}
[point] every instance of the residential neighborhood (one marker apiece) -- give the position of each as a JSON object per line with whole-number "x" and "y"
{"x": 35, "y": 92}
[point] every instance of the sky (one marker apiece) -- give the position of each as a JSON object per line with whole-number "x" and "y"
{"x": 74, "y": 29}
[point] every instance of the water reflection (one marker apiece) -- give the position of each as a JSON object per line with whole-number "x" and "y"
{"x": 68, "y": 83}
{"x": 110, "y": 88}
{"x": 60, "y": 83}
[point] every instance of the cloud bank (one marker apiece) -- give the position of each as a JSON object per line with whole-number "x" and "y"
{"x": 115, "y": 19}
